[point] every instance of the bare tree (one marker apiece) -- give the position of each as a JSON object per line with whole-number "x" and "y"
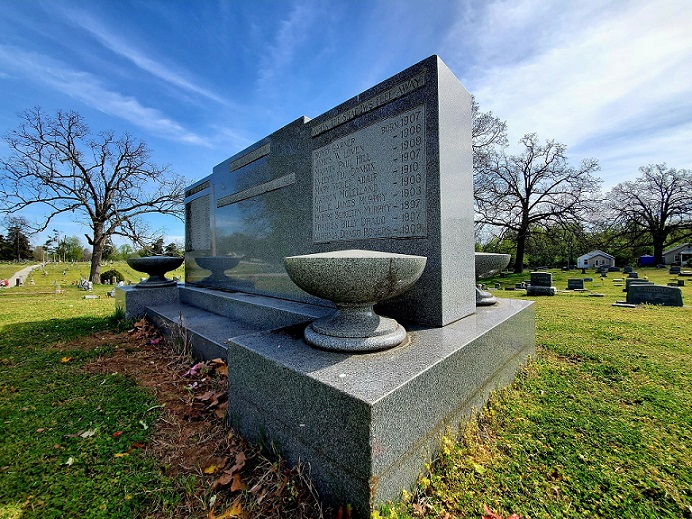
{"x": 538, "y": 187}
{"x": 488, "y": 133}
{"x": 655, "y": 209}
{"x": 107, "y": 182}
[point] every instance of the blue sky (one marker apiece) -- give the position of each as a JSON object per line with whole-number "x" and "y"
{"x": 201, "y": 80}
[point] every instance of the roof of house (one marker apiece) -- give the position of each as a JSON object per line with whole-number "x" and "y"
{"x": 676, "y": 248}
{"x": 595, "y": 253}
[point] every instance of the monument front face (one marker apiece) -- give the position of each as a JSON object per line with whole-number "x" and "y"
{"x": 389, "y": 170}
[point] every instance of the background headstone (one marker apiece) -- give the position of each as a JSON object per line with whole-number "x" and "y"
{"x": 541, "y": 279}
{"x": 635, "y": 281}
{"x": 575, "y": 284}
{"x": 541, "y": 284}
{"x": 654, "y": 294}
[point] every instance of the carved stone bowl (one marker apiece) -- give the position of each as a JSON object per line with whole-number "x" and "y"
{"x": 156, "y": 267}
{"x": 488, "y": 264}
{"x": 355, "y": 280}
{"x": 217, "y": 265}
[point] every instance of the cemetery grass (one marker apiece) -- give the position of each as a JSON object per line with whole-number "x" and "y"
{"x": 598, "y": 424}
{"x": 57, "y": 450}
{"x": 100, "y": 418}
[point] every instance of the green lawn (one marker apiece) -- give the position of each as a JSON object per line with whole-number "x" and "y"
{"x": 58, "y": 455}
{"x": 599, "y": 424}
{"x": 67, "y": 274}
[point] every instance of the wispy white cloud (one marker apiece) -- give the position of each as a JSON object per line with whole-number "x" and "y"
{"x": 229, "y": 139}
{"x": 88, "y": 89}
{"x": 119, "y": 46}
{"x": 585, "y": 72}
{"x": 280, "y": 54}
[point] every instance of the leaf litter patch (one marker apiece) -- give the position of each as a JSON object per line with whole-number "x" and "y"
{"x": 191, "y": 441}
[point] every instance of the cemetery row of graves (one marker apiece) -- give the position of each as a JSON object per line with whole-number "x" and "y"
{"x": 596, "y": 425}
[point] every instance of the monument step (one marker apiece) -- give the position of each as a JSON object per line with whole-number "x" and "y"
{"x": 207, "y": 333}
{"x": 264, "y": 312}
{"x": 212, "y": 318}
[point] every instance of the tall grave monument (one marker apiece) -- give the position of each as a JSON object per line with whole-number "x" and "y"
{"x": 389, "y": 171}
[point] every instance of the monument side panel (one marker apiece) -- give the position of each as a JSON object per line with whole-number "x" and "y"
{"x": 383, "y": 186}
{"x": 199, "y": 226}
{"x": 456, "y": 198}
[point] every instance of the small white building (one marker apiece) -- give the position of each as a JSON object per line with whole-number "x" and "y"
{"x": 678, "y": 255}
{"x": 595, "y": 259}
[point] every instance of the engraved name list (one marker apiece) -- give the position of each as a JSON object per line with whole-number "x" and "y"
{"x": 371, "y": 183}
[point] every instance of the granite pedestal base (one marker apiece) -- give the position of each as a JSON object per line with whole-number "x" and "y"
{"x": 532, "y": 290}
{"x": 135, "y": 300}
{"x": 367, "y": 424}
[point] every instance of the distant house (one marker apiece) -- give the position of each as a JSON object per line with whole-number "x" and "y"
{"x": 595, "y": 259}
{"x": 678, "y": 255}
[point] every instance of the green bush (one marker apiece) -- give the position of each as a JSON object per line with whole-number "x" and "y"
{"x": 110, "y": 274}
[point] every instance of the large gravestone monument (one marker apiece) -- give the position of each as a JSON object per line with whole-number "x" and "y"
{"x": 575, "y": 284}
{"x": 389, "y": 170}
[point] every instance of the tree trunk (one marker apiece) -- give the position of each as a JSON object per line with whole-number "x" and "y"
{"x": 658, "y": 249}
{"x": 521, "y": 247}
{"x": 97, "y": 253}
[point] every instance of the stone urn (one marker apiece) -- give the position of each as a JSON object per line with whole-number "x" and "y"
{"x": 217, "y": 265}
{"x": 355, "y": 280}
{"x": 488, "y": 264}
{"x": 156, "y": 267}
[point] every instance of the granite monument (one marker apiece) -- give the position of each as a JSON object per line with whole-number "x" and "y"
{"x": 386, "y": 173}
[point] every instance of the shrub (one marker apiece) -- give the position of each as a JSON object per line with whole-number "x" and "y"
{"x": 110, "y": 274}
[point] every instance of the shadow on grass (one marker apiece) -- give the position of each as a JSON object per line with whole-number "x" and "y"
{"x": 38, "y": 334}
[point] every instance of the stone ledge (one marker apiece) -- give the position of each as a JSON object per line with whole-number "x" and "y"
{"x": 368, "y": 423}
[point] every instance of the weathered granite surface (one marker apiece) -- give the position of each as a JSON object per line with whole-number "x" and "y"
{"x": 388, "y": 170}
{"x": 136, "y": 299}
{"x": 368, "y": 423}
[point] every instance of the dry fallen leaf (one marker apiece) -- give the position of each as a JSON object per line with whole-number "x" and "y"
{"x": 220, "y": 366}
{"x": 235, "y": 510}
{"x": 237, "y": 484}
{"x": 210, "y": 469}
{"x": 220, "y": 411}
{"x": 65, "y": 359}
{"x": 223, "y": 481}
